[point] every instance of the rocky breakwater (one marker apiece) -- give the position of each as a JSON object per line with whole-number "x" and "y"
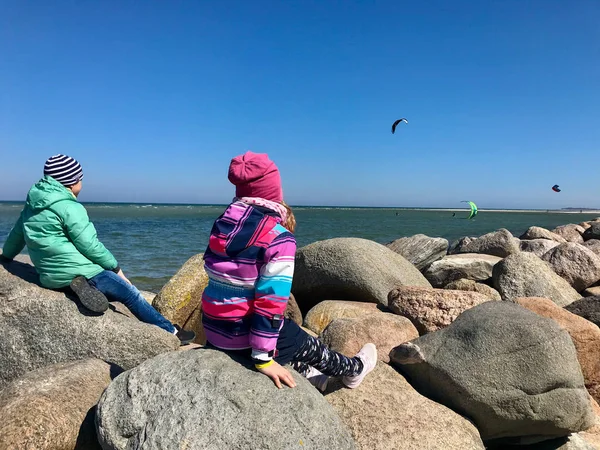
{"x": 485, "y": 372}
{"x": 534, "y": 390}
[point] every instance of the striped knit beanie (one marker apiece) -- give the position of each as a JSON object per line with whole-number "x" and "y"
{"x": 64, "y": 169}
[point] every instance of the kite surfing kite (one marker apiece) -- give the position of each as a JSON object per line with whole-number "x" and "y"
{"x": 555, "y": 188}
{"x": 395, "y": 124}
{"x": 474, "y": 210}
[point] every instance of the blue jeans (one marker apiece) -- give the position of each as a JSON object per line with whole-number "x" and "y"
{"x": 118, "y": 290}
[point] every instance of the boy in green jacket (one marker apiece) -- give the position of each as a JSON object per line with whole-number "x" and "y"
{"x": 65, "y": 249}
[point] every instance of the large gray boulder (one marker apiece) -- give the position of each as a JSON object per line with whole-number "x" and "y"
{"x": 584, "y": 334}
{"x": 498, "y": 243}
{"x": 593, "y": 232}
{"x": 593, "y": 245}
{"x": 420, "y": 250}
{"x": 292, "y": 311}
{"x": 539, "y": 247}
{"x": 472, "y": 266}
{"x": 575, "y": 263}
{"x": 327, "y": 311}
{"x": 511, "y": 371}
{"x": 385, "y": 330}
{"x": 542, "y": 233}
{"x": 571, "y": 232}
{"x": 350, "y": 269}
{"x": 456, "y": 245}
{"x": 180, "y": 300}
{"x": 41, "y": 327}
{"x": 526, "y": 275}
{"x": 386, "y": 413}
{"x": 51, "y": 408}
{"x": 203, "y": 399}
{"x": 588, "y": 308}
{"x": 432, "y": 309}
{"x": 472, "y": 286}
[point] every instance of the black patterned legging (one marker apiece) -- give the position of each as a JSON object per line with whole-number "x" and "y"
{"x": 313, "y": 352}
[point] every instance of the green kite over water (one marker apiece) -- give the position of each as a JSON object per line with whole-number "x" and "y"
{"x": 474, "y": 210}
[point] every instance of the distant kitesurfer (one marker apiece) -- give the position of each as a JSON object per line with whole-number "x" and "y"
{"x": 395, "y": 124}
{"x": 473, "y": 207}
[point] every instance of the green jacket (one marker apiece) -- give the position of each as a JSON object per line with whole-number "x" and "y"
{"x": 61, "y": 240}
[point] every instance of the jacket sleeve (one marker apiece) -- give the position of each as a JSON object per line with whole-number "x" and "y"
{"x": 82, "y": 234}
{"x": 15, "y": 241}
{"x": 272, "y": 291}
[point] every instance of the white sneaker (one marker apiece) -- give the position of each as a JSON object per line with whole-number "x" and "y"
{"x": 368, "y": 356}
{"x": 317, "y": 379}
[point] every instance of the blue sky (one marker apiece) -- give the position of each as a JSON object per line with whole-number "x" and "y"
{"x": 155, "y": 97}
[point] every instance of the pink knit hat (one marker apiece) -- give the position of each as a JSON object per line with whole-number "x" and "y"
{"x": 255, "y": 175}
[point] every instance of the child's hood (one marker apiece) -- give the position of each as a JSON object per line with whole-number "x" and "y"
{"x": 240, "y": 227}
{"x": 47, "y": 192}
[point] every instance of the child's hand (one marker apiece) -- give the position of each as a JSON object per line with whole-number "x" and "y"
{"x": 278, "y": 374}
{"x": 122, "y": 275}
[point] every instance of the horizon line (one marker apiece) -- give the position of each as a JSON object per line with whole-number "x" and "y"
{"x": 568, "y": 208}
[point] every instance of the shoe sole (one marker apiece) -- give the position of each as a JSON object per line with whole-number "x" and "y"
{"x": 91, "y": 298}
{"x": 187, "y": 341}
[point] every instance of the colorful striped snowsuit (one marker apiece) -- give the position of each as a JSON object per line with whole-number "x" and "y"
{"x": 250, "y": 265}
